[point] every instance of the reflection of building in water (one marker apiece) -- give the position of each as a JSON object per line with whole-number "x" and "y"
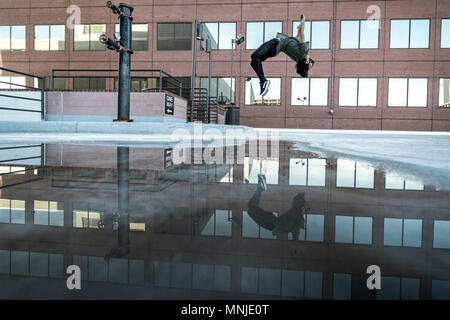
{"x": 190, "y": 231}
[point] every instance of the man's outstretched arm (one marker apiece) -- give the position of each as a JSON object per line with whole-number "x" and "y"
{"x": 301, "y": 30}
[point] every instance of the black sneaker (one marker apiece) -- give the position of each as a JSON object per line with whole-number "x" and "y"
{"x": 262, "y": 181}
{"x": 265, "y": 87}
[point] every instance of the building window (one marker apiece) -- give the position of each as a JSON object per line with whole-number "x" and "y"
{"x": 86, "y": 37}
{"x": 7, "y": 82}
{"x": 139, "y": 37}
{"x": 358, "y": 92}
{"x": 313, "y": 230}
{"x": 218, "y": 224}
{"x": 351, "y": 174}
{"x": 137, "y": 84}
{"x": 357, "y": 230}
{"x": 403, "y": 232}
{"x": 220, "y": 34}
{"x": 307, "y": 172}
{"x": 316, "y": 32}
{"x": 49, "y": 213}
{"x": 410, "y": 34}
{"x": 441, "y": 237}
{"x": 174, "y": 36}
{"x": 444, "y": 93}
{"x": 87, "y": 215}
{"x": 169, "y": 84}
{"x": 220, "y": 89}
{"x": 396, "y": 182}
{"x": 260, "y": 32}
{"x": 12, "y": 211}
{"x": 49, "y": 37}
{"x": 360, "y": 34}
{"x": 309, "y": 92}
{"x": 253, "y": 88}
{"x": 408, "y": 92}
{"x": 89, "y": 83}
{"x": 13, "y": 38}
{"x": 58, "y": 83}
{"x": 445, "y": 33}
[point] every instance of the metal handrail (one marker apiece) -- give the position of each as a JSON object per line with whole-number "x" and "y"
{"x": 160, "y": 76}
{"x": 42, "y": 89}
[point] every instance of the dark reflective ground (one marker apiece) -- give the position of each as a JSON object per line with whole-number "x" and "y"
{"x": 142, "y": 227}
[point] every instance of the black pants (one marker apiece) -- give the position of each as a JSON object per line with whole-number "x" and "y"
{"x": 266, "y": 50}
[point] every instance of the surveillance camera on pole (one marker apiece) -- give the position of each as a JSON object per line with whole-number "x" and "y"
{"x": 122, "y": 45}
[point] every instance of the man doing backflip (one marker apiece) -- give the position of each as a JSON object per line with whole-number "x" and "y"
{"x": 295, "y": 47}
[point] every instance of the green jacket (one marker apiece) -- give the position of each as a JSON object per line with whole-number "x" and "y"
{"x": 292, "y": 47}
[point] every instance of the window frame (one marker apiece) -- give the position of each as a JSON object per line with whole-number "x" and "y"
{"x": 309, "y": 92}
{"x": 49, "y": 37}
{"x": 263, "y": 104}
{"x": 311, "y": 33}
{"x": 359, "y": 35}
{"x": 10, "y": 38}
{"x": 407, "y": 92}
{"x": 353, "y": 230}
{"x": 439, "y": 93}
{"x": 173, "y": 23}
{"x": 90, "y": 25}
{"x": 132, "y": 47}
{"x": 402, "y": 245}
{"x": 217, "y": 85}
{"x": 218, "y": 34}
{"x": 409, "y": 33}
{"x": 263, "y": 31}
{"x": 357, "y": 92}
{"x": 442, "y": 29}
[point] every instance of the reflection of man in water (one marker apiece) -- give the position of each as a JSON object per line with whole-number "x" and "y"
{"x": 290, "y": 221}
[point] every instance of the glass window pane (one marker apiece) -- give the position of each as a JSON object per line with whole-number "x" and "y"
{"x": 441, "y": 237}
{"x": 297, "y": 172}
{"x": 394, "y": 182}
{"x": 444, "y": 92}
{"x": 313, "y": 285}
{"x": 417, "y": 92}
{"x": 161, "y": 273}
{"x": 300, "y": 92}
{"x": 420, "y": 33}
{"x": 249, "y": 280}
{"x": 5, "y": 37}
{"x": 250, "y": 229}
{"x": 342, "y": 286}
{"x": 227, "y": 31}
{"x": 398, "y": 89}
{"x": 41, "y": 212}
{"x": 252, "y": 90}
{"x": 410, "y": 289}
{"x": 4, "y": 210}
{"x": 38, "y": 264}
{"x": 118, "y": 270}
{"x": 96, "y": 31}
{"x": 181, "y": 274}
{"x": 319, "y": 92}
{"x": 364, "y": 176}
{"x": 211, "y": 32}
{"x": 349, "y": 34}
{"x": 445, "y": 33}
{"x": 295, "y": 25}
{"x": 20, "y": 263}
{"x": 254, "y": 35}
{"x": 136, "y": 272}
{"x": 399, "y": 34}
{"x": 140, "y": 37}
{"x": 82, "y": 262}
{"x": 56, "y": 265}
{"x": 222, "y": 278}
{"x": 98, "y": 269}
{"x": 348, "y": 91}
{"x": 271, "y": 29}
{"x": 18, "y": 211}
{"x": 369, "y": 34}
{"x": 293, "y": 283}
{"x": 56, "y": 212}
{"x": 440, "y": 289}
{"x": 314, "y": 227}
{"x": 41, "y": 37}
{"x": 223, "y": 224}
{"x": 270, "y": 281}
{"x": 320, "y": 35}
{"x": 412, "y": 233}
{"x": 390, "y": 289}
{"x": 345, "y": 175}
{"x": 343, "y": 229}
{"x": 203, "y": 276}
{"x": 5, "y": 262}
{"x": 57, "y": 37}
{"x": 367, "y": 96}
{"x": 81, "y": 37}
{"x": 18, "y": 38}
{"x": 316, "y": 172}
{"x": 392, "y": 232}
{"x": 363, "y": 230}
{"x": 223, "y": 88}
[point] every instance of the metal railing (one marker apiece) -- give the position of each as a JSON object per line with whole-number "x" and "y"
{"x": 41, "y": 100}
{"x": 161, "y": 75}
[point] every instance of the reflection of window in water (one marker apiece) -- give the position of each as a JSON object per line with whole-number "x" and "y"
{"x": 137, "y": 218}
{"x": 12, "y": 170}
{"x": 396, "y": 182}
{"x": 219, "y": 224}
{"x": 357, "y": 230}
{"x": 440, "y": 289}
{"x": 277, "y": 282}
{"x": 12, "y": 211}
{"x": 35, "y": 264}
{"x": 266, "y": 166}
{"x": 250, "y": 229}
{"x": 352, "y": 174}
{"x": 441, "y": 236}
{"x": 313, "y": 231}
{"x": 192, "y": 276}
{"x": 307, "y": 172}
{"x": 87, "y": 214}
{"x": 347, "y": 286}
{"x": 116, "y": 270}
{"x": 49, "y": 213}
{"x": 403, "y": 232}
{"x": 171, "y": 220}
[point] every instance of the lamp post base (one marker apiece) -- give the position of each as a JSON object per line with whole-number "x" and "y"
{"x": 122, "y": 120}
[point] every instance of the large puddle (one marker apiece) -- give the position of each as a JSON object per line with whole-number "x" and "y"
{"x": 286, "y": 225}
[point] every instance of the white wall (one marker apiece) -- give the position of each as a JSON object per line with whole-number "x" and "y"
{"x": 12, "y": 115}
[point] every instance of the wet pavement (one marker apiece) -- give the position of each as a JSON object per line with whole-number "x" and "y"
{"x": 142, "y": 225}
